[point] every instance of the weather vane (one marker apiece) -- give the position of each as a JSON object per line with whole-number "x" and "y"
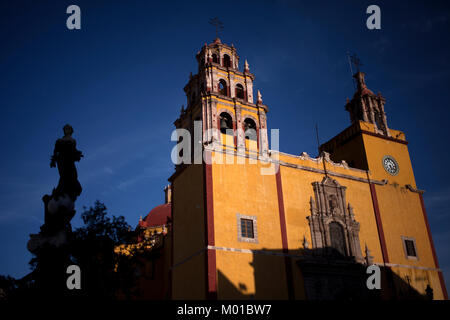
{"x": 356, "y": 61}
{"x": 217, "y": 24}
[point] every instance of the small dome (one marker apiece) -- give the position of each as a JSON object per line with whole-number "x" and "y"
{"x": 157, "y": 216}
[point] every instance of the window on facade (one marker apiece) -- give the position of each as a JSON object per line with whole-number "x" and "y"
{"x": 223, "y": 87}
{"x": 226, "y": 123}
{"x": 410, "y": 248}
{"x": 337, "y": 238}
{"x": 226, "y": 61}
{"x": 250, "y": 129}
{"x": 239, "y": 91}
{"x": 215, "y": 58}
{"x": 247, "y": 228}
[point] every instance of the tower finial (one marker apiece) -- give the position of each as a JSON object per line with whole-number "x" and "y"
{"x": 259, "y": 101}
{"x": 246, "y": 66}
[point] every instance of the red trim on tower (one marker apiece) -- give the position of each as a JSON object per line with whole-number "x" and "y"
{"x": 257, "y": 138}
{"x": 284, "y": 240}
{"x": 234, "y": 133}
{"x": 210, "y": 257}
{"x": 433, "y": 250}
{"x": 376, "y": 209}
{"x": 171, "y": 240}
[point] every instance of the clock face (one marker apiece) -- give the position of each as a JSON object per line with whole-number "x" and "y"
{"x": 390, "y": 165}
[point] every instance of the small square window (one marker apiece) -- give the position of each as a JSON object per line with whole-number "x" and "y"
{"x": 409, "y": 246}
{"x": 410, "y": 249}
{"x": 247, "y": 229}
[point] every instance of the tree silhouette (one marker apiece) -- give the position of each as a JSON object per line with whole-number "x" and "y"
{"x": 92, "y": 250}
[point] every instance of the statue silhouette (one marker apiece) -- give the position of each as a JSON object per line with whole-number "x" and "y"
{"x": 60, "y": 204}
{"x": 64, "y": 156}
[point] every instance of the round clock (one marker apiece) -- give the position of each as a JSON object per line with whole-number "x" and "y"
{"x": 390, "y": 165}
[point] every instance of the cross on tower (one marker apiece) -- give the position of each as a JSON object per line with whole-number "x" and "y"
{"x": 217, "y": 24}
{"x": 356, "y": 61}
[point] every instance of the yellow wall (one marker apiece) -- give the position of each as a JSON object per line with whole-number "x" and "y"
{"x": 241, "y": 189}
{"x": 188, "y": 280}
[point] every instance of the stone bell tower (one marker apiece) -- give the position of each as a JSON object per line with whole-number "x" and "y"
{"x": 221, "y": 97}
{"x": 368, "y": 107}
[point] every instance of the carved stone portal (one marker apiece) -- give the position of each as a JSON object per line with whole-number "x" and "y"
{"x": 332, "y": 221}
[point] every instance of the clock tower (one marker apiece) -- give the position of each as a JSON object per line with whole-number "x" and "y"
{"x": 369, "y": 144}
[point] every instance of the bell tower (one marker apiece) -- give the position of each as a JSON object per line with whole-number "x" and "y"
{"x": 221, "y": 97}
{"x": 368, "y": 107}
{"x": 368, "y": 143}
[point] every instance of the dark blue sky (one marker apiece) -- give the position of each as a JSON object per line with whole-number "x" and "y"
{"x": 119, "y": 82}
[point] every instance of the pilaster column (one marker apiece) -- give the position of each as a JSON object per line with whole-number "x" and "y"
{"x": 232, "y": 93}
{"x": 240, "y": 141}
{"x": 381, "y": 103}
{"x": 214, "y": 121}
{"x": 364, "y": 110}
{"x": 248, "y": 89}
{"x": 372, "y": 114}
{"x": 264, "y": 144}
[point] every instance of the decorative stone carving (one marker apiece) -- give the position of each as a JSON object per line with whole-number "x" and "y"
{"x": 369, "y": 257}
{"x": 332, "y": 221}
{"x": 305, "y": 243}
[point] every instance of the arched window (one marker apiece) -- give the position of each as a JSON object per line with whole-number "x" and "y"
{"x": 378, "y": 119}
{"x": 250, "y": 129}
{"x": 215, "y": 58}
{"x": 337, "y": 238}
{"x": 226, "y": 61}
{"x": 239, "y": 92}
{"x": 223, "y": 87}
{"x": 226, "y": 123}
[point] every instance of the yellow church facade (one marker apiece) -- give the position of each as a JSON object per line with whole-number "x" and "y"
{"x": 250, "y": 222}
